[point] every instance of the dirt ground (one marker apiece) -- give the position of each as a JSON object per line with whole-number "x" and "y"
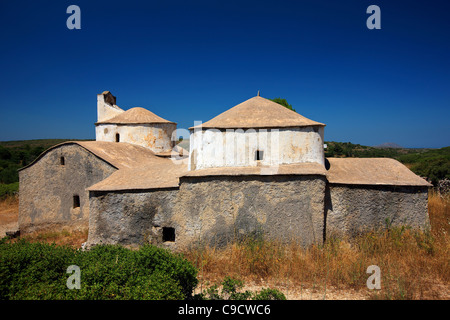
{"x": 9, "y": 214}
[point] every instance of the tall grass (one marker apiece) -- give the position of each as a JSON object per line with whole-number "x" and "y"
{"x": 414, "y": 264}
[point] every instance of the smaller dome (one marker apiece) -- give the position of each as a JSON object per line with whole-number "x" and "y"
{"x": 135, "y": 116}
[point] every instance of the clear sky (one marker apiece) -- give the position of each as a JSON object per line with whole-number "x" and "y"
{"x": 192, "y": 60}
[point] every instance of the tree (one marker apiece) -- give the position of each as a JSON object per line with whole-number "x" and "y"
{"x": 4, "y": 153}
{"x": 283, "y": 102}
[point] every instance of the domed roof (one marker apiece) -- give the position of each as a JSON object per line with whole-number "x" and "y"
{"x": 258, "y": 112}
{"x": 135, "y": 116}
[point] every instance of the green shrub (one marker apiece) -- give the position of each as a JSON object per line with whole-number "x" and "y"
{"x": 269, "y": 294}
{"x": 38, "y": 271}
{"x": 231, "y": 290}
{"x": 8, "y": 189}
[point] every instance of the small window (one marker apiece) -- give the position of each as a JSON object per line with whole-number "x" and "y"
{"x": 168, "y": 234}
{"x": 62, "y": 161}
{"x": 117, "y": 137}
{"x": 76, "y": 201}
{"x": 259, "y": 155}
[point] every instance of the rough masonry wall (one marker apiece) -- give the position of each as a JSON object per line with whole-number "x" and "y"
{"x": 157, "y": 136}
{"x": 353, "y": 209}
{"x": 47, "y": 188}
{"x": 212, "y": 210}
{"x": 216, "y": 210}
{"x": 130, "y": 217}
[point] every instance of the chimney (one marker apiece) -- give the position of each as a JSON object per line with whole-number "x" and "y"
{"x": 106, "y": 106}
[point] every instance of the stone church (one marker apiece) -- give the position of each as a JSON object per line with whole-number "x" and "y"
{"x": 257, "y": 169}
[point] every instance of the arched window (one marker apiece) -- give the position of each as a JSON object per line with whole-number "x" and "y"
{"x": 62, "y": 161}
{"x": 117, "y": 137}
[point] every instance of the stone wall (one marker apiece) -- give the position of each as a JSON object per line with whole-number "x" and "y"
{"x": 351, "y": 209}
{"x": 222, "y": 209}
{"x": 48, "y": 186}
{"x": 130, "y": 217}
{"x": 212, "y": 210}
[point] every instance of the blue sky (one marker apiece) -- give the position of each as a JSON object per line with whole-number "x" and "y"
{"x": 192, "y": 60}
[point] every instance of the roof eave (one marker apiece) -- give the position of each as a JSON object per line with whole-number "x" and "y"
{"x": 132, "y": 123}
{"x": 258, "y": 127}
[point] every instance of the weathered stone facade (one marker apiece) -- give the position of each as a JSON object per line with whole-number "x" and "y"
{"x": 49, "y": 185}
{"x": 213, "y": 211}
{"x": 353, "y": 209}
{"x": 130, "y": 217}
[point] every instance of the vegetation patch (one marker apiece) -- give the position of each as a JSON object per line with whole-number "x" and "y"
{"x": 231, "y": 289}
{"x": 8, "y": 190}
{"x": 39, "y": 271}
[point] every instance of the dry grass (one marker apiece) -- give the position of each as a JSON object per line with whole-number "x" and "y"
{"x": 63, "y": 237}
{"x": 9, "y": 213}
{"x": 9, "y": 210}
{"x": 413, "y": 264}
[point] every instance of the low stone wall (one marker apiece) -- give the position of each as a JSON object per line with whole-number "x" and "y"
{"x": 351, "y": 209}
{"x": 48, "y": 186}
{"x": 212, "y": 210}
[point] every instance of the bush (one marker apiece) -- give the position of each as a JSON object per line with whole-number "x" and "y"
{"x": 9, "y": 174}
{"x": 38, "y": 271}
{"x": 231, "y": 290}
{"x": 8, "y": 189}
{"x": 269, "y": 294}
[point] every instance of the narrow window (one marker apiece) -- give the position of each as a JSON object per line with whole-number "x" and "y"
{"x": 62, "y": 161}
{"x": 76, "y": 201}
{"x": 117, "y": 137}
{"x": 259, "y": 155}
{"x": 168, "y": 234}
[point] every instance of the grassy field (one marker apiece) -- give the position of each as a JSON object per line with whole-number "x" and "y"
{"x": 413, "y": 264}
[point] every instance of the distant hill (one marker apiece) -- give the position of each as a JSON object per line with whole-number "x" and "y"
{"x": 388, "y": 145}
